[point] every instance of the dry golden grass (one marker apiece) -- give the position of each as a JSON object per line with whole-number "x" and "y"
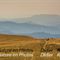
{"x": 28, "y": 42}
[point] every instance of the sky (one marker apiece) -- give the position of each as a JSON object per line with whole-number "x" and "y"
{"x": 12, "y": 9}
{"x": 27, "y": 8}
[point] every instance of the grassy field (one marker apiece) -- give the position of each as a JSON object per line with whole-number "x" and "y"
{"x": 29, "y": 45}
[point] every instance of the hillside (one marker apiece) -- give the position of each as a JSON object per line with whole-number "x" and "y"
{"x": 29, "y": 45}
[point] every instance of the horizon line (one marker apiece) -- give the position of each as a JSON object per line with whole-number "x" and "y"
{"x": 29, "y": 16}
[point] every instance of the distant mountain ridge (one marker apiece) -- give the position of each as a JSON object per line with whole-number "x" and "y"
{"x": 30, "y": 26}
{"x": 19, "y": 28}
{"x": 45, "y": 35}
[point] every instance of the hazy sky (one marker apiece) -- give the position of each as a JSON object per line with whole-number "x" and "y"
{"x": 25, "y": 8}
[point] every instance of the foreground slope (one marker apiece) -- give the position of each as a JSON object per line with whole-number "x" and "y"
{"x": 37, "y": 46}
